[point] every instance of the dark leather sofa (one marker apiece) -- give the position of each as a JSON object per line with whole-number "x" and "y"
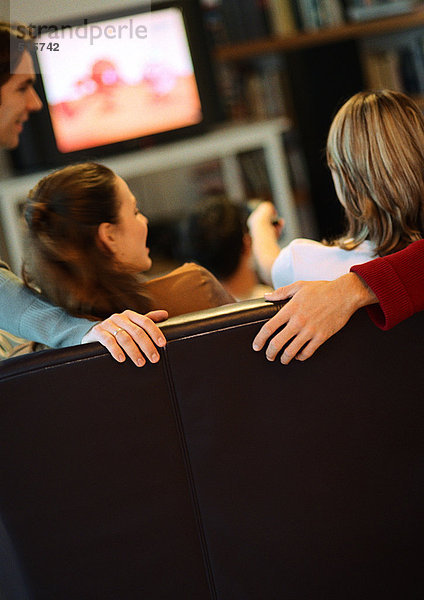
{"x": 215, "y": 474}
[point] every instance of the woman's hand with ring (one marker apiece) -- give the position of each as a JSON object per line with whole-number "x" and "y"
{"x": 130, "y": 333}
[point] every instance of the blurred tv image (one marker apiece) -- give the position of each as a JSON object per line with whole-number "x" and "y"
{"x": 106, "y": 90}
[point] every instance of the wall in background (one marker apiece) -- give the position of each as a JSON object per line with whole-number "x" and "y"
{"x": 50, "y": 10}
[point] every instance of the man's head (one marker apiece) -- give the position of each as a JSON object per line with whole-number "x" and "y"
{"x": 18, "y": 97}
{"x": 214, "y": 235}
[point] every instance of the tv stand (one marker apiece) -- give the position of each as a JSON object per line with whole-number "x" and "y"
{"x": 222, "y": 143}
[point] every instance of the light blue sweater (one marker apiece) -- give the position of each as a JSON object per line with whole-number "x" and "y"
{"x": 28, "y": 315}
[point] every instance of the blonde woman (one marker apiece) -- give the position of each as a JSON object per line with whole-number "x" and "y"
{"x": 375, "y": 151}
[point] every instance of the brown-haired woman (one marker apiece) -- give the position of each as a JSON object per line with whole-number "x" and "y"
{"x": 87, "y": 249}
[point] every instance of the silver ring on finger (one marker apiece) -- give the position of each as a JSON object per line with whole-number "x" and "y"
{"x": 115, "y": 333}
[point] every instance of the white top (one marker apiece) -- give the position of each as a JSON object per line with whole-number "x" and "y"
{"x": 311, "y": 261}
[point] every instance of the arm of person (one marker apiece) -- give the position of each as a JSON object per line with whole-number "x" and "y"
{"x": 265, "y": 234}
{"x": 398, "y": 282}
{"x": 391, "y": 287}
{"x": 28, "y": 315}
{"x": 315, "y": 312}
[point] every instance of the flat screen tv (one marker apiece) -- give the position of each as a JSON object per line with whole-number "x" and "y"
{"x": 116, "y": 82}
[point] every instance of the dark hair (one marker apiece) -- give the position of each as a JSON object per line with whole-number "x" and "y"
{"x": 14, "y": 40}
{"x": 65, "y": 260}
{"x": 212, "y": 235}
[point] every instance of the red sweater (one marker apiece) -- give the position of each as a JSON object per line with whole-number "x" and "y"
{"x": 398, "y": 282}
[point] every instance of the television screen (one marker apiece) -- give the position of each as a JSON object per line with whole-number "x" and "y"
{"x": 117, "y": 82}
{"x": 136, "y": 86}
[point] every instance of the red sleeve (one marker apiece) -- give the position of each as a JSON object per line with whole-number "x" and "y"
{"x": 398, "y": 282}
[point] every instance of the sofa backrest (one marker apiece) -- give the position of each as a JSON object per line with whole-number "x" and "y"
{"x": 216, "y": 474}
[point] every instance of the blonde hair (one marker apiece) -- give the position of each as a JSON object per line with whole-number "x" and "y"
{"x": 375, "y": 148}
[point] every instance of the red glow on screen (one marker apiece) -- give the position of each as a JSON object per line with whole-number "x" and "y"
{"x": 103, "y": 93}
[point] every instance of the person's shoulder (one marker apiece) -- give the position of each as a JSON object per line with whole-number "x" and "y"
{"x": 178, "y": 272}
{"x": 207, "y": 280}
{"x": 194, "y": 270}
{"x": 188, "y": 267}
{"x": 304, "y": 245}
{"x": 366, "y": 247}
{"x": 192, "y": 267}
{"x": 187, "y": 288}
{"x": 305, "y": 242}
{"x": 188, "y": 273}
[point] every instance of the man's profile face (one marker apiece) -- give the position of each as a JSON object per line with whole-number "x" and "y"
{"x": 18, "y": 99}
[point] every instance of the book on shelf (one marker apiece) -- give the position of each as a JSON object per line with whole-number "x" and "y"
{"x": 412, "y": 66}
{"x": 264, "y": 96}
{"x": 363, "y": 10}
{"x": 255, "y": 174}
{"x": 231, "y": 83}
{"x": 282, "y": 17}
{"x": 383, "y": 70}
{"x": 276, "y": 91}
{"x": 232, "y": 18}
{"x": 255, "y": 18}
{"x": 237, "y": 21}
{"x": 255, "y": 96}
{"x": 256, "y": 90}
{"x": 410, "y": 79}
{"x": 208, "y": 178}
{"x": 330, "y": 13}
{"x": 215, "y": 26}
{"x": 308, "y": 14}
{"x": 315, "y": 14}
{"x": 257, "y": 178}
{"x": 245, "y": 20}
{"x": 400, "y": 68}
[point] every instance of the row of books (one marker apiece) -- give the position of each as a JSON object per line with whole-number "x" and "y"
{"x": 232, "y": 21}
{"x": 360, "y": 10}
{"x": 400, "y": 68}
{"x": 209, "y": 182}
{"x": 259, "y": 90}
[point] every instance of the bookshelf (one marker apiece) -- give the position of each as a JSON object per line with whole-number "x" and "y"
{"x": 328, "y": 35}
{"x": 323, "y": 67}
